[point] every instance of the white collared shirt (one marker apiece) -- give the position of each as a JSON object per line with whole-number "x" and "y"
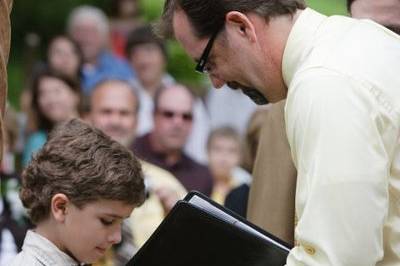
{"x": 343, "y": 122}
{"x": 39, "y": 251}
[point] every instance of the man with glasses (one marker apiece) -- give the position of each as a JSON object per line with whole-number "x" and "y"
{"x": 278, "y": 200}
{"x": 163, "y": 146}
{"x": 340, "y": 80}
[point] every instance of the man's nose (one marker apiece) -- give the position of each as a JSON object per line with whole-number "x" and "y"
{"x": 115, "y": 118}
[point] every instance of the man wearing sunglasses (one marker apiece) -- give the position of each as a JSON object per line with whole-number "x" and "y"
{"x": 163, "y": 146}
{"x": 114, "y": 107}
{"x": 340, "y": 80}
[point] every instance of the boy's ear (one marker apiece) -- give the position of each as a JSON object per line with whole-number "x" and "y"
{"x": 59, "y": 205}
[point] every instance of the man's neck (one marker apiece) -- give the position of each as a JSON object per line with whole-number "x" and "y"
{"x": 91, "y": 62}
{"x": 171, "y": 156}
{"x": 152, "y": 86}
{"x": 275, "y": 38}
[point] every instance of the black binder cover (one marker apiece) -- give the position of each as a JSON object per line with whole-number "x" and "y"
{"x": 193, "y": 236}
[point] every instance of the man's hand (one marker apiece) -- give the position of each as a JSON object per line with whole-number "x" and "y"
{"x": 168, "y": 197}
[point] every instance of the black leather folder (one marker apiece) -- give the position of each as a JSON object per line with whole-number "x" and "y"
{"x": 200, "y": 232}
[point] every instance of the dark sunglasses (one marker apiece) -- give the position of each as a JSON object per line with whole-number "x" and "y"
{"x": 201, "y": 66}
{"x": 187, "y": 117}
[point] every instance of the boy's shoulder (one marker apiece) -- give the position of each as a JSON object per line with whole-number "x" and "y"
{"x": 25, "y": 258}
{"x": 39, "y": 251}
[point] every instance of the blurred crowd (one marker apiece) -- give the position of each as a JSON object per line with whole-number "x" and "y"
{"x": 111, "y": 72}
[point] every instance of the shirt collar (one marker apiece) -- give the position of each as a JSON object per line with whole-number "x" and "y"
{"x": 299, "y": 43}
{"x": 45, "y": 251}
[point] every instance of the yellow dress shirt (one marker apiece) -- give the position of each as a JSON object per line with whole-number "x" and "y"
{"x": 343, "y": 122}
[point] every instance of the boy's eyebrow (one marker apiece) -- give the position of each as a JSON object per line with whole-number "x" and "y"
{"x": 115, "y": 216}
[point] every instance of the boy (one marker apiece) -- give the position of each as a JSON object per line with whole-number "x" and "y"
{"x": 78, "y": 188}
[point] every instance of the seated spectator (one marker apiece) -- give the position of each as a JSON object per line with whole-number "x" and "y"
{"x": 78, "y": 189}
{"x": 55, "y": 98}
{"x": 224, "y": 156}
{"x": 114, "y": 110}
{"x": 125, "y": 17}
{"x": 13, "y": 224}
{"x": 89, "y": 27}
{"x": 64, "y": 56}
{"x": 173, "y": 115}
{"x": 147, "y": 54}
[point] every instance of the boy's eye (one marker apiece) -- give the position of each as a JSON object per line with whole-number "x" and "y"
{"x": 106, "y": 221}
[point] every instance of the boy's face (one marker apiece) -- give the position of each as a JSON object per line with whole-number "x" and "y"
{"x": 87, "y": 233}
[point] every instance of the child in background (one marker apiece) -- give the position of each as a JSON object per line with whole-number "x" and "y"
{"x": 224, "y": 155}
{"x": 65, "y": 57}
{"x": 78, "y": 189}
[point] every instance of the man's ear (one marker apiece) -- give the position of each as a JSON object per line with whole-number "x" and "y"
{"x": 240, "y": 23}
{"x": 59, "y": 207}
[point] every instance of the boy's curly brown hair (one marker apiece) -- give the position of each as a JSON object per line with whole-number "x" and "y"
{"x": 85, "y": 165}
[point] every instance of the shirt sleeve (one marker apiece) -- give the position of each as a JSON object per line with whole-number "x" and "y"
{"x": 340, "y": 141}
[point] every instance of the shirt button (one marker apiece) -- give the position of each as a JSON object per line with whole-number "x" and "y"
{"x": 309, "y": 250}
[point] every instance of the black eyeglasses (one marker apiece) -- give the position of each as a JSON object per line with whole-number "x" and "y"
{"x": 201, "y": 66}
{"x": 187, "y": 117}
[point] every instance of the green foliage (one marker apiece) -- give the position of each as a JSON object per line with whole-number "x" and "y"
{"x": 182, "y": 67}
{"x": 48, "y": 18}
{"x": 151, "y": 9}
{"x": 329, "y": 7}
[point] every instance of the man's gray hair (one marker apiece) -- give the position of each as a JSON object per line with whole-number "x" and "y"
{"x": 86, "y": 12}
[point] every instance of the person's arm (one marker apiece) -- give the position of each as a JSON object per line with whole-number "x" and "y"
{"x": 5, "y": 33}
{"x": 341, "y": 143}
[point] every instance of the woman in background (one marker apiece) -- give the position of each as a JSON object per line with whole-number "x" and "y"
{"x": 64, "y": 56}
{"x": 55, "y": 98}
